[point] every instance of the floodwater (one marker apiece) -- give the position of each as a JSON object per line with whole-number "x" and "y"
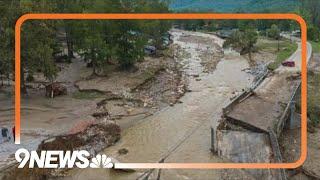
{"x": 42, "y": 117}
{"x": 181, "y": 133}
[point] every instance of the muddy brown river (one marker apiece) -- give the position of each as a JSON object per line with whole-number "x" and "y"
{"x": 181, "y": 133}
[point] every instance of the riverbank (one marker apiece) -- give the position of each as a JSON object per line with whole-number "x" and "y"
{"x": 123, "y": 98}
{"x": 196, "y": 79}
{"x": 155, "y": 83}
{"x": 168, "y": 137}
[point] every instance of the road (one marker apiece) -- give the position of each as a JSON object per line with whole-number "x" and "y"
{"x": 296, "y": 57}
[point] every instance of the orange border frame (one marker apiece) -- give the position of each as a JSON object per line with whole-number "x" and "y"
{"x": 295, "y": 17}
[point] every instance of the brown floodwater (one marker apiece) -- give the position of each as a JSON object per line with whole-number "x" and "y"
{"x": 181, "y": 133}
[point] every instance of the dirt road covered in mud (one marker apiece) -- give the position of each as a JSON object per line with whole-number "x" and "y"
{"x": 181, "y": 133}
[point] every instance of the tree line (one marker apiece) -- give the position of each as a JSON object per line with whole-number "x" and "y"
{"x": 242, "y": 34}
{"x": 308, "y": 9}
{"x": 100, "y": 42}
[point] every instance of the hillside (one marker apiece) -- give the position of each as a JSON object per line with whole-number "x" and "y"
{"x": 234, "y": 5}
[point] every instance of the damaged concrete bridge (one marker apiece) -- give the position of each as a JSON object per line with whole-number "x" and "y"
{"x": 252, "y": 122}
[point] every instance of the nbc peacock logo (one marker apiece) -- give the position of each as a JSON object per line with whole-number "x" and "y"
{"x": 101, "y": 161}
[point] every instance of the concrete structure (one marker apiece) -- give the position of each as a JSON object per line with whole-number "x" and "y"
{"x": 252, "y": 122}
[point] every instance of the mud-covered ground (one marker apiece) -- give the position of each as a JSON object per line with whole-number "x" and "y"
{"x": 291, "y": 147}
{"x": 197, "y": 52}
{"x": 149, "y": 94}
{"x": 155, "y": 83}
{"x": 181, "y": 132}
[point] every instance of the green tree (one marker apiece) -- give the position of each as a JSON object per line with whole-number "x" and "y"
{"x": 37, "y": 49}
{"x": 8, "y": 13}
{"x": 130, "y": 43}
{"x": 313, "y": 32}
{"x": 274, "y": 32}
{"x": 313, "y": 8}
{"x": 100, "y": 41}
{"x": 155, "y": 30}
{"x": 68, "y": 6}
{"x": 89, "y": 40}
{"x": 310, "y": 11}
{"x": 243, "y": 40}
{"x": 37, "y": 44}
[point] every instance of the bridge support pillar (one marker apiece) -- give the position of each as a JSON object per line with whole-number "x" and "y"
{"x": 294, "y": 118}
{"x": 213, "y": 141}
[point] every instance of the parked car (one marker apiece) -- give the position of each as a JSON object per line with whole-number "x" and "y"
{"x": 289, "y": 63}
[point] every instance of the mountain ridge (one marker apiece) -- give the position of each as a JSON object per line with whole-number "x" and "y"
{"x": 234, "y": 5}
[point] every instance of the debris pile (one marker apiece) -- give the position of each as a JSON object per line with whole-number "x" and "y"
{"x": 55, "y": 89}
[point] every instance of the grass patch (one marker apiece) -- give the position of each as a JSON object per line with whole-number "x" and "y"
{"x": 315, "y": 46}
{"x": 87, "y": 95}
{"x": 286, "y": 50}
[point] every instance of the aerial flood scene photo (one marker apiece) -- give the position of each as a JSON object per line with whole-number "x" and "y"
{"x": 159, "y": 98}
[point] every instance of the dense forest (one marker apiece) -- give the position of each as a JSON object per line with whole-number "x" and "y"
{"x": 242, "y": 33}
{"x": 120, "y": 41}
{"x": 234, "y": 5}
{"x": 97, "y": 41}
{"x": 308, "y": 9}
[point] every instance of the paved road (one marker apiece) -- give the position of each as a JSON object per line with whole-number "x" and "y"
{"x": 296, "y": 57}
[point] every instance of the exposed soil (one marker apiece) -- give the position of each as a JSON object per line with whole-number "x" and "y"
{"x": 209, "y": 49}
{"x": 121, "y": 82}
{"x": 314, "y": 64}
{"x": 261, "y": 57}
{"x": 200, "y": 52}
{"x": 181, "y": 133}
{"x": 290, "y": 143}
{"x": 155, "y": 84}
{"x": 165, "y": 87}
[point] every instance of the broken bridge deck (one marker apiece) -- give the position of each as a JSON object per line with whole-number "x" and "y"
{"x": 264, "y": 108}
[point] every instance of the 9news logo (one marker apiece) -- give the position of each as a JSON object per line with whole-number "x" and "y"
{"x": 61, "y": 159}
